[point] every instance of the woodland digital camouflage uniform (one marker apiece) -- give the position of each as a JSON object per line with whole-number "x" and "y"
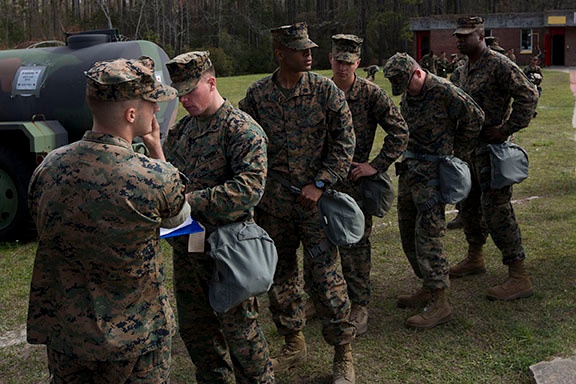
{"x": 370, "y": 107}
{"x": 493, "y": 81}
{"x": 98, "y": 287}
{"x": 442, "y": 120}
{"x": 311, "y": 138}
{"x": 225, "y": 161}
{"x": 98, "y": 297}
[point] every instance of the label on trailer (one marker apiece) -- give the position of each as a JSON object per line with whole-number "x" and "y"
{"x": 28, "y": 80}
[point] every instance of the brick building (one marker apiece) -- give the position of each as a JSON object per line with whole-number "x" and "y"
{"x": 551, "y": 34}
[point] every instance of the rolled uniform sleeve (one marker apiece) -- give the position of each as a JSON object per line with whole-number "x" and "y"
{"x": 341, "y": 140}
{"x": 470, "y": 121}
{"x": 388, "y": 116}
{"x": 525, "y": 98}
{"x": 370, "y": 107}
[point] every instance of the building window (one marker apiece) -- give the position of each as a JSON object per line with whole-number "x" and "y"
{"x": 526, "y": 42}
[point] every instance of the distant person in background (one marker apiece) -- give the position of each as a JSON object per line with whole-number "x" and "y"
{"x": 442, "y": 65}
{"x": 492, "y": 43}
{"x": 539, "y": 56}
{"x": 453, "y": 63}
{"x": 98, "y": 296}
{"x": 428, "y": 62}
{"x": 534, "y": 74}
{"x": 371, "y": 72}
{"x": 510, "y": 54}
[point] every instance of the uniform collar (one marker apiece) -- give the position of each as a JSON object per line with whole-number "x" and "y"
{"x": 105, "y": 138}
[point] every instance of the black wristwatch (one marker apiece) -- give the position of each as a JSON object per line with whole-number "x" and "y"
{"x": 319, "y": 184}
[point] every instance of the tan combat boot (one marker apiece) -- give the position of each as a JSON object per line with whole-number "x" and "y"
{"x": 359, "y": 318}
{"x": 473, "y": 264}
{"x": 293, "y": 353}
{"x": 516, "y": 286}
{"x": 343, "y": 367}
{"x": 435, "y": 313}
{"x": 417, "y": 300}
{"x": 456, "y": 223}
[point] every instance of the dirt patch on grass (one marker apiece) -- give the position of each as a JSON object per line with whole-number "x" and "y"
{"x": 15, "y": 337}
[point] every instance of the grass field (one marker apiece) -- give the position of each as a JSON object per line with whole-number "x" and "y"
{"x": 487, "y": 342}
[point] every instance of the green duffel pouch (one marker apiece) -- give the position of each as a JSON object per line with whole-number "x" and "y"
{"x": 455, "y": 179}
{"x": 508, "y": 163}
{"x": 377, "y": 194}
{"x": 342, "y": 219}
{"x": 246, "y": 259}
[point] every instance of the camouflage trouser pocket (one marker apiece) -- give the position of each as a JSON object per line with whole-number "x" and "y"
{"x": 151, "y": 367}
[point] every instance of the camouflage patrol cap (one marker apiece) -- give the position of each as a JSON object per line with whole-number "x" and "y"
{"x": 187, "y": 68}
{"x": 346, "y": 48}
{"x": 467, "y": 25}
{"x": 126, "y": 79}
{"x": 293, "y": 36}
{"x": 398, "y": 69}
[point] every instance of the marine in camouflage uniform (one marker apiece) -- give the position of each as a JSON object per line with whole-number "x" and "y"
{"x": 371, "y": 72}
{"x": 98, "y": 298}
{"x": 492, "y": 43}
{"x": 510, "y": 54}
{"x": 442, "y": 65}
{"x": 428, "y": 62}
{"x": 443, "y": 121}
{"x": 493, "y": 81}
{"x": 534, "y": 73}
{"x": 222, "y": 151}
{"x": 370, "y": 107}
{"x": 311, "y": 146}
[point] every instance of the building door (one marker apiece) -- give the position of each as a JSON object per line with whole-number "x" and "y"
{"x": 558, "y": 50}
{"x": 557, "y": 44}
{"x": 422, "y": 44}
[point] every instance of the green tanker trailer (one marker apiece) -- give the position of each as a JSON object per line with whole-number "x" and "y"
{"x": 42, "y": 107}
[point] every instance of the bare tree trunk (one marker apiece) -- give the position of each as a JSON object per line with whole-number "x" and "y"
{"x": 106, "y": 10}
{"x": 140, "y": 15}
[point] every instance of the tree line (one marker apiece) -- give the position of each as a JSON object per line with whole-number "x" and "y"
{"x": 237, "y": 31}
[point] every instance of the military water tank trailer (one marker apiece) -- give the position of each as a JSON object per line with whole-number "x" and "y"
{"x": 42, "y": 107}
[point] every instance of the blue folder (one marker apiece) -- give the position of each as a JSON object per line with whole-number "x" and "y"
{"x": 190, "y": 226}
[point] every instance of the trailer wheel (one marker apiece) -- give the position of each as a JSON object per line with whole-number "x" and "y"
{"x": 15, "y": 220}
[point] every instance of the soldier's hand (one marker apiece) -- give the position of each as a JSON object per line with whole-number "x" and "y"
{"x": 152, "y": 140}
{"x": 361, "y": 170}
{"x": 154, "y": 134}
{"x": 494, "y": 134}
{"x": 309, "y": 196}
